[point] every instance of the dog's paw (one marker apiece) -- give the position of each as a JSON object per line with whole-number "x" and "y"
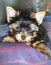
{"x": 43, "y": 49}
{"x": 8, "y": 39}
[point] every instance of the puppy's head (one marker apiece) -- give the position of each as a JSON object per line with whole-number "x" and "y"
{"x": 24, "y": 30}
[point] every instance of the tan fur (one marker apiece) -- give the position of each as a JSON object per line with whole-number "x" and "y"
{"x": 8, "y": 39}
{"x": 27, "y": 39}
{"x": 39, "y": 16}
{"x": 32, "y": 15}
{"x": 34, "y": 27}
{"x": 42, "y": 48}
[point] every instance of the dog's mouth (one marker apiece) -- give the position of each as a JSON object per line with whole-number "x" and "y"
{"x": 23, "y": 37}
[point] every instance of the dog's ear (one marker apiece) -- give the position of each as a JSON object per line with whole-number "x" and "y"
{"x": 11, "y": 13}
{"x": 39, "y": 16}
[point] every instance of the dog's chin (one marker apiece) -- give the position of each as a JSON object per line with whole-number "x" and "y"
{"x": 27, "y": 38}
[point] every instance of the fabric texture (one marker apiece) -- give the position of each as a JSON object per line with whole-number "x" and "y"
{"x": 21, "y": 54}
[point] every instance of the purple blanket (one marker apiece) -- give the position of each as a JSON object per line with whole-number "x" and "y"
{"x": 21, "y": 54}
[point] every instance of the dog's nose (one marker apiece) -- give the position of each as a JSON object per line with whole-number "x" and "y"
{"x": 23, "y": 37}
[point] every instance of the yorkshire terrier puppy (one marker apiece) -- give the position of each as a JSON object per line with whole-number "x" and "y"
{"x": 28, "y": 29}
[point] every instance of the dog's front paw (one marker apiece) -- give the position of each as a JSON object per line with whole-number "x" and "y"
{"x": 8, "y": 39}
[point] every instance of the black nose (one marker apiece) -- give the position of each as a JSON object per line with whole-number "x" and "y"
{"x": 23, "y": 37}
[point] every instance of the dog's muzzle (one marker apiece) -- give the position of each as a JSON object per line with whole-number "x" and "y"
{"x": 23, "y": 37}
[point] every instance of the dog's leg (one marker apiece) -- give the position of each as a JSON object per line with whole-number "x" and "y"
{"x": 8, "y": 39}
{"x": 28, "y": 43}
{"x": 42, "y": 48}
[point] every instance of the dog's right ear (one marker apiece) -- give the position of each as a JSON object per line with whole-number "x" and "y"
{"x": 11, "y": 13}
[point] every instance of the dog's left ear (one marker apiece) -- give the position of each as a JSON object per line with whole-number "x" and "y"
{"x": 11, "y": 13}
{"x": 39, "y": 16}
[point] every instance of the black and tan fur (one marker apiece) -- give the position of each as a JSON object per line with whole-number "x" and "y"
{"x": 28, "y": 29}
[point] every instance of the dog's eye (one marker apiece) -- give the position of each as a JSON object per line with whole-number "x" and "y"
{"x": 18, "y": 28}
{"x": 34, "y": 27}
